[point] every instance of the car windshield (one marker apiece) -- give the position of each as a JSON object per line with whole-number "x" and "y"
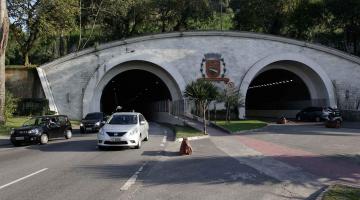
{"x": 123, "y": 119}
{"x": 91, "y": 116}
{"x": 35, "y": 121}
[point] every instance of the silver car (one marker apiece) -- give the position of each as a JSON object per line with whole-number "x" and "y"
{"x": 124, "y": 129}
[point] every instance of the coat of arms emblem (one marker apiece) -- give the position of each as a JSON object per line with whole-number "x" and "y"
{"x": 214, "y": 67}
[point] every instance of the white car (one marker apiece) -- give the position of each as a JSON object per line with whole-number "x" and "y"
{"x": 124, "y": 129}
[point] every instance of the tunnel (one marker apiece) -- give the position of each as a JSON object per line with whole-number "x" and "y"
{"x": 275, "y": 91}
{"x": 133, "y": 90}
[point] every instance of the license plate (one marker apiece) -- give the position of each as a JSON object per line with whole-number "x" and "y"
{"x": 116, "y": 139}
{"x": 19, "y": 138}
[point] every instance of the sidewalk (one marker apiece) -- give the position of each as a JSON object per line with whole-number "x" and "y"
{"x": 309, "y": 171}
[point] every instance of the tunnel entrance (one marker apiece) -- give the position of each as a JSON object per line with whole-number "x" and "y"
{"x": 276, "y": 92}
{"x": 133, "y": 90}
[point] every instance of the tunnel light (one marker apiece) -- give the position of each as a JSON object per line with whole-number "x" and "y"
{"x": 271, "y": 84}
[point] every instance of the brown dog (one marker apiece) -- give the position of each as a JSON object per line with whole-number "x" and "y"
{"x": 185, "y": 148}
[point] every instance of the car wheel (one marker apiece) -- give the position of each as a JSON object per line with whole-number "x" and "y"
{"x": 147, "y": 137}
{"x": 138, "y": 146}
{"x": 16, "y": 144}
{"x": 68, "y": 134}
{"x": 317, "y": 119}
{"x": 44, "y": 139}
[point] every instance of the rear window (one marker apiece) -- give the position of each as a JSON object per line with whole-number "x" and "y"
{"x": 91, "y": 116}
{"x": 123, "y": 119}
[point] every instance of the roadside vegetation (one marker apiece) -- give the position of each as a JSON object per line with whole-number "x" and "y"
{"x": 12, "y": 122}
{"x": 342, "y": 192}
{"x": 241, "y": 125}
{"x": 186, "y": 131}
{"x": 75, "y": 123}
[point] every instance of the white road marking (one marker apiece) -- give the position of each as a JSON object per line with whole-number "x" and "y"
{"x": 164, "y": 139}
{"x": 20, "y": 179}
{"x": 132, "y": 179}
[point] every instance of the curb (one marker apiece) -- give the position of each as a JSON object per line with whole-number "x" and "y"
{"x": 193, "y": 138}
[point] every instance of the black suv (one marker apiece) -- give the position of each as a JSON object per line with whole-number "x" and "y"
{"x": 41, "y": 129}
{"x": 318, "y": 114}
{"x": 92, "y": 122}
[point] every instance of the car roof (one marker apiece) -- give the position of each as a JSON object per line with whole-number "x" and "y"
{"x": 95, "y": 113}
{"x": 126, "y": 113}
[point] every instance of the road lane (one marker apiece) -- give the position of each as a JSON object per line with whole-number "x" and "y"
{"x": 76, "y": 169}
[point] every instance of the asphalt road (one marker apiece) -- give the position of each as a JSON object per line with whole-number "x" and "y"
{"x": 75, "y": 169}
{"x": 221, "y": 167}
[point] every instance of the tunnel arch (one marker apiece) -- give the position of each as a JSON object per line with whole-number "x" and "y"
{"x": 315, "y": 78}
{"x": 102, "y": 77}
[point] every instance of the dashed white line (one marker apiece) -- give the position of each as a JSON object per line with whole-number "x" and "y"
{"x": 20, "y": 179}
{"x": 132, "y": 179}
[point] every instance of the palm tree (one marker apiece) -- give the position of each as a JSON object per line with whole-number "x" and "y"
{"x": 4, "y": 31}
{"x": 202, "y": 92}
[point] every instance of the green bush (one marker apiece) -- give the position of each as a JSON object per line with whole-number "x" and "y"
{"x": 10, "y": 104}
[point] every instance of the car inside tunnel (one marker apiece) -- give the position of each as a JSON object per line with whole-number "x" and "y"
{"x": 134, "y": 90}
{"x": 277, "y": 89}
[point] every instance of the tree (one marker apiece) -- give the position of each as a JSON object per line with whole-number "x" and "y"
{"x": 232, "y": 99}
{"x": 345, "y": 17}
{"x": 40, "y": 18}
{"x": 4, "y": 31}
{"x": 202, "y": 92}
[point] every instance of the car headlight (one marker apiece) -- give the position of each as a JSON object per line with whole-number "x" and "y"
{"x": 97, "y": 124}
{"x": 34, "y": 131}
{"x": 12, "y": 131}
{"x": 133, "y": 132}
{"x": 102, "y": 132}
{"x": 81, "y": 124}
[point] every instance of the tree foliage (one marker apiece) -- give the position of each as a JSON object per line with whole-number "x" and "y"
{"x": 202, "y": 92}
{"x": 32, "y": 19}
{"x": 42, "y": 30}
{"x": 10, "y": 104}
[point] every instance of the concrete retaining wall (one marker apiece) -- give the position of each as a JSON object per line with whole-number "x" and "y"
{"x": 23, "y": 82}
{"x": 164, "y": 117}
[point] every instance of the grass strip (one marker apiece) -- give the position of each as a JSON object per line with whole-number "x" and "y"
{"x": 12, "y": 122}
{"x": 241, "y": 125}
{"x": 341, "y": 192}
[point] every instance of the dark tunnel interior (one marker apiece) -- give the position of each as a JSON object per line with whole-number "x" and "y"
{"x": 277, "y": 89}
{"x": 133, "y": 90}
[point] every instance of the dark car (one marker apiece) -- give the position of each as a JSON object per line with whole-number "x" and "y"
{"x": 318, "y": 114}
{"x": 41, "y": 129}
{"x": 92, "y": 122}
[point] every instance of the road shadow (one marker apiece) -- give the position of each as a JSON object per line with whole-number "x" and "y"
{"x": 59, "y": 145}
{"x": 161, "y": 153}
